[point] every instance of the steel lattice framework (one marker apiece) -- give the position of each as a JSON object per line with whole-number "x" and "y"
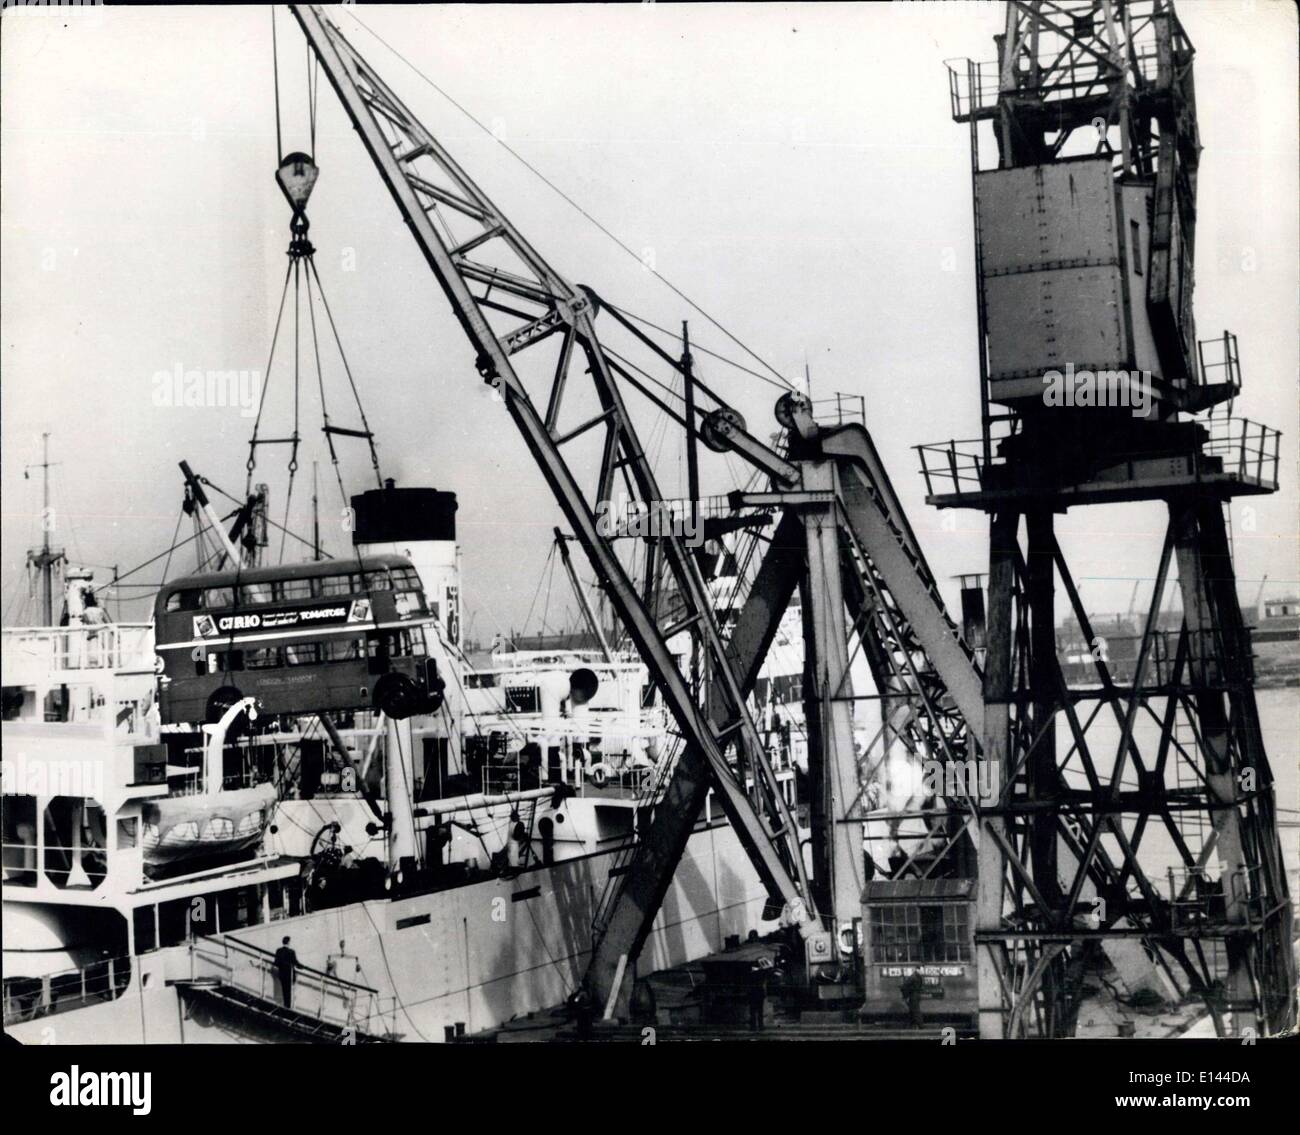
{"x": 1179, "y": 809}
{"x": 508, "y": 301}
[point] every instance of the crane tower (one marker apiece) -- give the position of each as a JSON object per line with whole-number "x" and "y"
{"x": 1140, "y": 805}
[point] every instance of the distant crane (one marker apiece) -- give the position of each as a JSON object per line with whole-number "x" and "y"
{"x": 1259, "y": 598}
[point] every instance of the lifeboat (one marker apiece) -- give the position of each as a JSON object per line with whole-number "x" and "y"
{"x": 225, "y": 823}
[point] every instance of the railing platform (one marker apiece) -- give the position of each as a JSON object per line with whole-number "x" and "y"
{"x": 1237, "y": 457}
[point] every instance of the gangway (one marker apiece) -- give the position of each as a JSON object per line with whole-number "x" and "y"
{"x": 239, "y": 978}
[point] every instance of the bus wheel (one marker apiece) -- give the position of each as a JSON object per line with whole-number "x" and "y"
{"x": 398, "y": 697}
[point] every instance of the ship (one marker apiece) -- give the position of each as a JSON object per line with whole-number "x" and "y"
{"x": 151, "y": 871}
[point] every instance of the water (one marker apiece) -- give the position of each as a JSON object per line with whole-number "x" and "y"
{"x": 1279, "y": 712}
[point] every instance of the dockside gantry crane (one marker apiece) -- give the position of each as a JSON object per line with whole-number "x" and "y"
{"x": 1094, "y": 391}
{"x": 842, "y": 540}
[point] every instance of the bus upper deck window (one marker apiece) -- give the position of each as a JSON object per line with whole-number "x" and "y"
{"x": 409, "y": 602}
{"x": 339, "y": 584}
{"x": 217, "y": 597}
{"x": 292, "y": 590}
{"x": 378, "y": 580}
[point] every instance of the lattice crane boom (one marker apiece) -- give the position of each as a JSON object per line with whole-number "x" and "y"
{"x": 426, "y": 183}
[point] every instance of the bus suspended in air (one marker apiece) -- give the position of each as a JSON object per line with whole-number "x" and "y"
{"x": 323, "y": 636}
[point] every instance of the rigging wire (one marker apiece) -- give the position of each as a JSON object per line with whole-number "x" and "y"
{"x": 176, "y": 545}
{"x": 324, "y": 408}
{"x": 270, "y": 519}
{"x": 275, "y": 71}
{"x": 548, "y": 571}
{"x": 572, "y": 203}
{"x": 676, "y": 338}
{"x": 297, "y": 381}
{"x": 266, "y": 385}
{"x": 338, "y": 342}
{"x": 15, "y": 595}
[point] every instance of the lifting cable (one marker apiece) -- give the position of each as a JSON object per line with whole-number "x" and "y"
{"x": 675, "y": 337}
{"x": 275, "y": 72}
{"x": 302, "y": 276}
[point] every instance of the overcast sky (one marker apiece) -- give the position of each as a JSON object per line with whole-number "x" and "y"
{"x": 794, "y": 169}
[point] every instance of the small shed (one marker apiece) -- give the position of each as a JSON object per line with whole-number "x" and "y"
{"x": 919, "y": 930}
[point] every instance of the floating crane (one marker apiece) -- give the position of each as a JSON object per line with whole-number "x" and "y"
{"x": 842, "y": 540}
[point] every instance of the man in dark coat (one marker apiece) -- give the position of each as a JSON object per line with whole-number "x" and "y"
{"x": 286, "y": 961}
{"x": 911, "y": 991}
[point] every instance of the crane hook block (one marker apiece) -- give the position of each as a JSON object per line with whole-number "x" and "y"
{"x": 297, "y": 178}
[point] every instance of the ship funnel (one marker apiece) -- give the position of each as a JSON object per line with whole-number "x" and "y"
{"x": 418, "y": 523}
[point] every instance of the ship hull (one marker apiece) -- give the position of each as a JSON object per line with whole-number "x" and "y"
{"x": 454, "y": 961}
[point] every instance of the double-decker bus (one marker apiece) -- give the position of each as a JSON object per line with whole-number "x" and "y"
{"x": 325, "y": 636}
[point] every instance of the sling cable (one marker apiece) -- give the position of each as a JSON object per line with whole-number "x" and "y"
{"x": 296, "y": 175}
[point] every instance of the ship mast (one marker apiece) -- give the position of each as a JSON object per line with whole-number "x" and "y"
{"x": 315, "y": 514}
{"x": 47, "y": 558}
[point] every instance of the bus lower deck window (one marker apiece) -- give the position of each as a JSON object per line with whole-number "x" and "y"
{"x": 219, "y": 662}
{"x": 342, "y": 650}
